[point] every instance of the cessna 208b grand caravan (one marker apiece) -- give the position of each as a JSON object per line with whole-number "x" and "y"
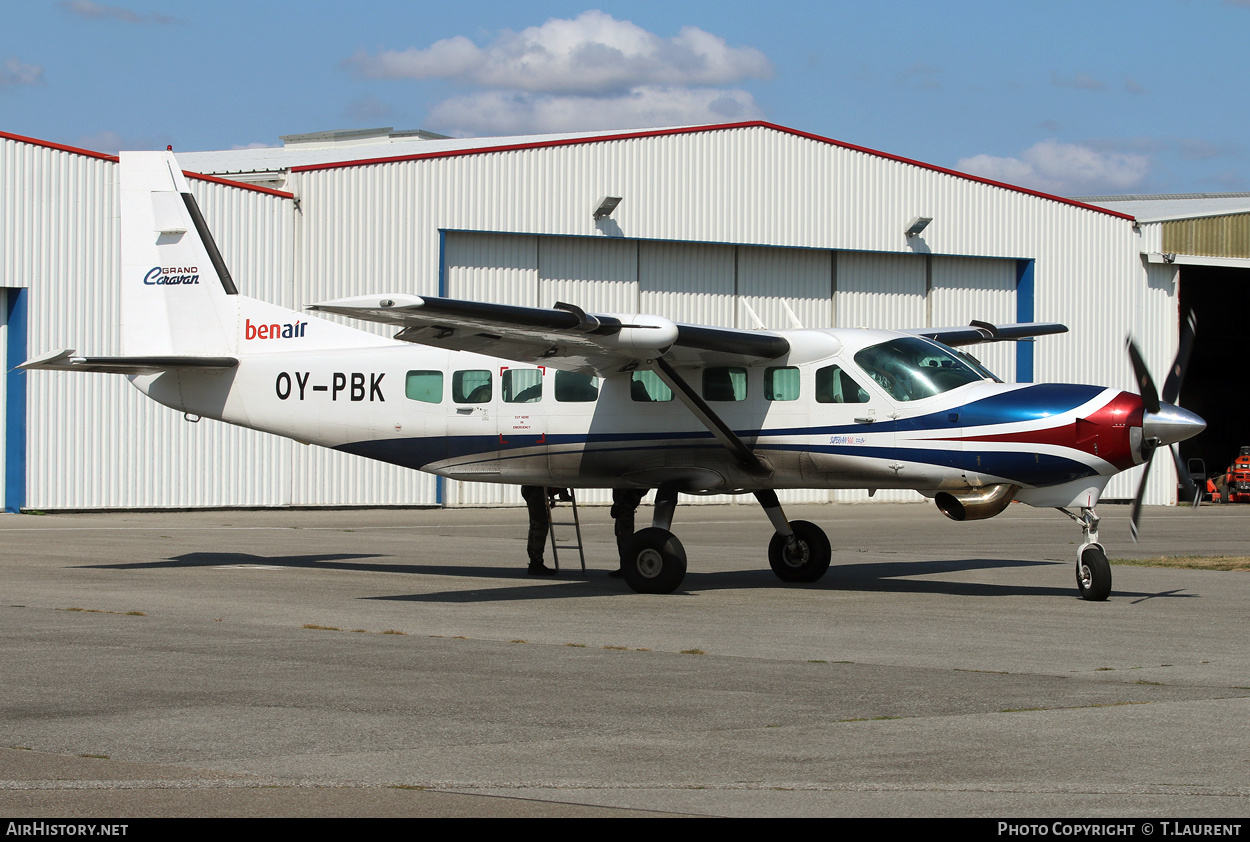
{"x": 566, "y": 398}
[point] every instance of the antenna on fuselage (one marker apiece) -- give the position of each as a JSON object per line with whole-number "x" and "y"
{"x": 794, "y": 320}
{"x": 755, "y": 317}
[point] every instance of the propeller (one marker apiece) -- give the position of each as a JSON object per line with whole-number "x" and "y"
{"x": 1163, "y": 422}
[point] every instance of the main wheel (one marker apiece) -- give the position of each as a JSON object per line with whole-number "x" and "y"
{"x": 653, "y": 561}
{"x": 809, "y": 558}
{"x": 1093, "y": 574}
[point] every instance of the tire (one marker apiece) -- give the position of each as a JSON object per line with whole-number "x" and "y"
{"x": 810, "y": 559}
{"x": 653, "y": 561}
{"x": 1093, "y": 574}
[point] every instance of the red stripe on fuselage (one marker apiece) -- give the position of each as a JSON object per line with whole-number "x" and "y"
{"x": 1103, "y": 433}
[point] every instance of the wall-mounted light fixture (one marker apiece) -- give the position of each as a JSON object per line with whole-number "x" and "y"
{"x": 917, "y": 225}
{"x": 606, "y": 205}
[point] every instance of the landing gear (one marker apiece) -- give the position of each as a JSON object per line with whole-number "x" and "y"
{"x": 802, "y": 559}
{"x": 1093, "y": 574}
{"x": 1093, "y": 571}
{"x": 653, "y": 561}
{"x": 799, "y": 551}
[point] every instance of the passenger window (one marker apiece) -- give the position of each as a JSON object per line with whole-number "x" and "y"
{"x": 647, "y": 387}
{"x": 725, "y": 384}
{"x": 522, "y": 385}
{"x": 833, "y": 385}
{"x": 471, "y": 387}
{"x": 424, "y": 386}
{"x": 781, "y": 384}
{"x": 572, "y": 387}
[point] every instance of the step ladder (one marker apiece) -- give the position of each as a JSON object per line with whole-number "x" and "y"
{"x": 564, "y": 500}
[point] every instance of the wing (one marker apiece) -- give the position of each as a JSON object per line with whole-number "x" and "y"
{"x": 564, "y": 337}
{"x": 977, "y": 332}
{"x": 67, "y": 361}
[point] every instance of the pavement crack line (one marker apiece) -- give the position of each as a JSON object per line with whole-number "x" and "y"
{"x": 741, "y": 786}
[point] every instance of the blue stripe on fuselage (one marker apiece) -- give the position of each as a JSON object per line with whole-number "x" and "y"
{"x": 1024, "y": 468}
{"x": 1030, "y": 403}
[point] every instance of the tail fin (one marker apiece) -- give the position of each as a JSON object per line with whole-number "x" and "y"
{"x": 178, "y": 297}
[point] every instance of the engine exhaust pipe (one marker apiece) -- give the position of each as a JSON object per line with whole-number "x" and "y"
{"x": 975, "y": 503}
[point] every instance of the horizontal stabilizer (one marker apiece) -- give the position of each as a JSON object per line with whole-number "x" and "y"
{"x": 69, "y": 361}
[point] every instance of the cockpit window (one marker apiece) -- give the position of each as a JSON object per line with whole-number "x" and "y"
{"x": 833, "y": 385}
{"x": 978, "y": 365}
{"x": 911, "y": 368}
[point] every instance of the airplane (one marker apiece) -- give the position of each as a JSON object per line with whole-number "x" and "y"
{"x": 565, "y": 398}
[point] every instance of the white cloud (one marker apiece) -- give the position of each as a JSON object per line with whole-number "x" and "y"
{"x": 922, "y": 77}
{"x": 585, "y": 73}
{"x": 112, "y": 142}
{"x": 99, "y": 11}
{"x": 15, "y": 72}
{"x": 505, "y": 112}
{"x": 1198, "y": 149}
{"x": 104, "y": 141}
{"x": 1063, "y": 169}
{"x": 1079, "y": 81}
{"x": 592, "y": 54}
{"x": 368, "y": 109}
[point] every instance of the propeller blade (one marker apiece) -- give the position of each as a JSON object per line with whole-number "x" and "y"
{"x": 1135, "y": 515}
{"x": 1176, "y": 375}
{"x": 1145, "y": 383}
{"x": 1189, "y": 489}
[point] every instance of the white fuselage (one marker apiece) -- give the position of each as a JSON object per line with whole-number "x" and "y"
{"x": 404, "y": 404}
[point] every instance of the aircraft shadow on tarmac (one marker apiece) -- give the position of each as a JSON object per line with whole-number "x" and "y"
{"x": 249, "y": 560}
{"x": 882, "y": 577}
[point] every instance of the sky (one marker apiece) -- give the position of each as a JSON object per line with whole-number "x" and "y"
{"x": 1072, "y": 97}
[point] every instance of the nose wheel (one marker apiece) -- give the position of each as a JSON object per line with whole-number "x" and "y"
{"x": 1093, "y": 571}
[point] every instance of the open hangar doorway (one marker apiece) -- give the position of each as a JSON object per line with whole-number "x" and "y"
{"x": 1217, "y": 384}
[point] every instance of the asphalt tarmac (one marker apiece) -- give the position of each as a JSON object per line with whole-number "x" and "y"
{"x": 401, "y": 663}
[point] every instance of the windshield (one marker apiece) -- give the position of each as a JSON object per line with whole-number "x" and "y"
{"x": 978, "y": 365}
{"x": 911, "y": 368}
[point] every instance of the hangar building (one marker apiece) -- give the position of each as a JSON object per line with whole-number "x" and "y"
{"x": 1205, "y": 238}
{"x": 712, "y": 220}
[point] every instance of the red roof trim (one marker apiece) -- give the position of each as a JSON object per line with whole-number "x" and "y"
{"x": 241, "y": 185}
{"x": 58, "y": 146}
{"x": 714, "y": 127}
{"x": 103, "y": 157}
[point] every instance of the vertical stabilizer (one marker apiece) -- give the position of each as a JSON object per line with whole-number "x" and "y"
{"x": 177, "y": 294}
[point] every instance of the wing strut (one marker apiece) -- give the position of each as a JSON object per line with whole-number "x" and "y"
{"x": 708, "y": 417}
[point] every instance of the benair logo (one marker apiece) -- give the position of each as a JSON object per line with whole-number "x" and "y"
{"x": 172, "y": 276}
{"x": 291, "y": 331}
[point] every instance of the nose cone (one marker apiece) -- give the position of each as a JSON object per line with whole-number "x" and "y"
{"x": 1171, "y": 424}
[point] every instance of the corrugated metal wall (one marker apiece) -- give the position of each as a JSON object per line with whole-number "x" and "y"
{"x": 964, "y": 288}
{"x": 1214, "y": 236}
{"x": 94, "y": 441}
